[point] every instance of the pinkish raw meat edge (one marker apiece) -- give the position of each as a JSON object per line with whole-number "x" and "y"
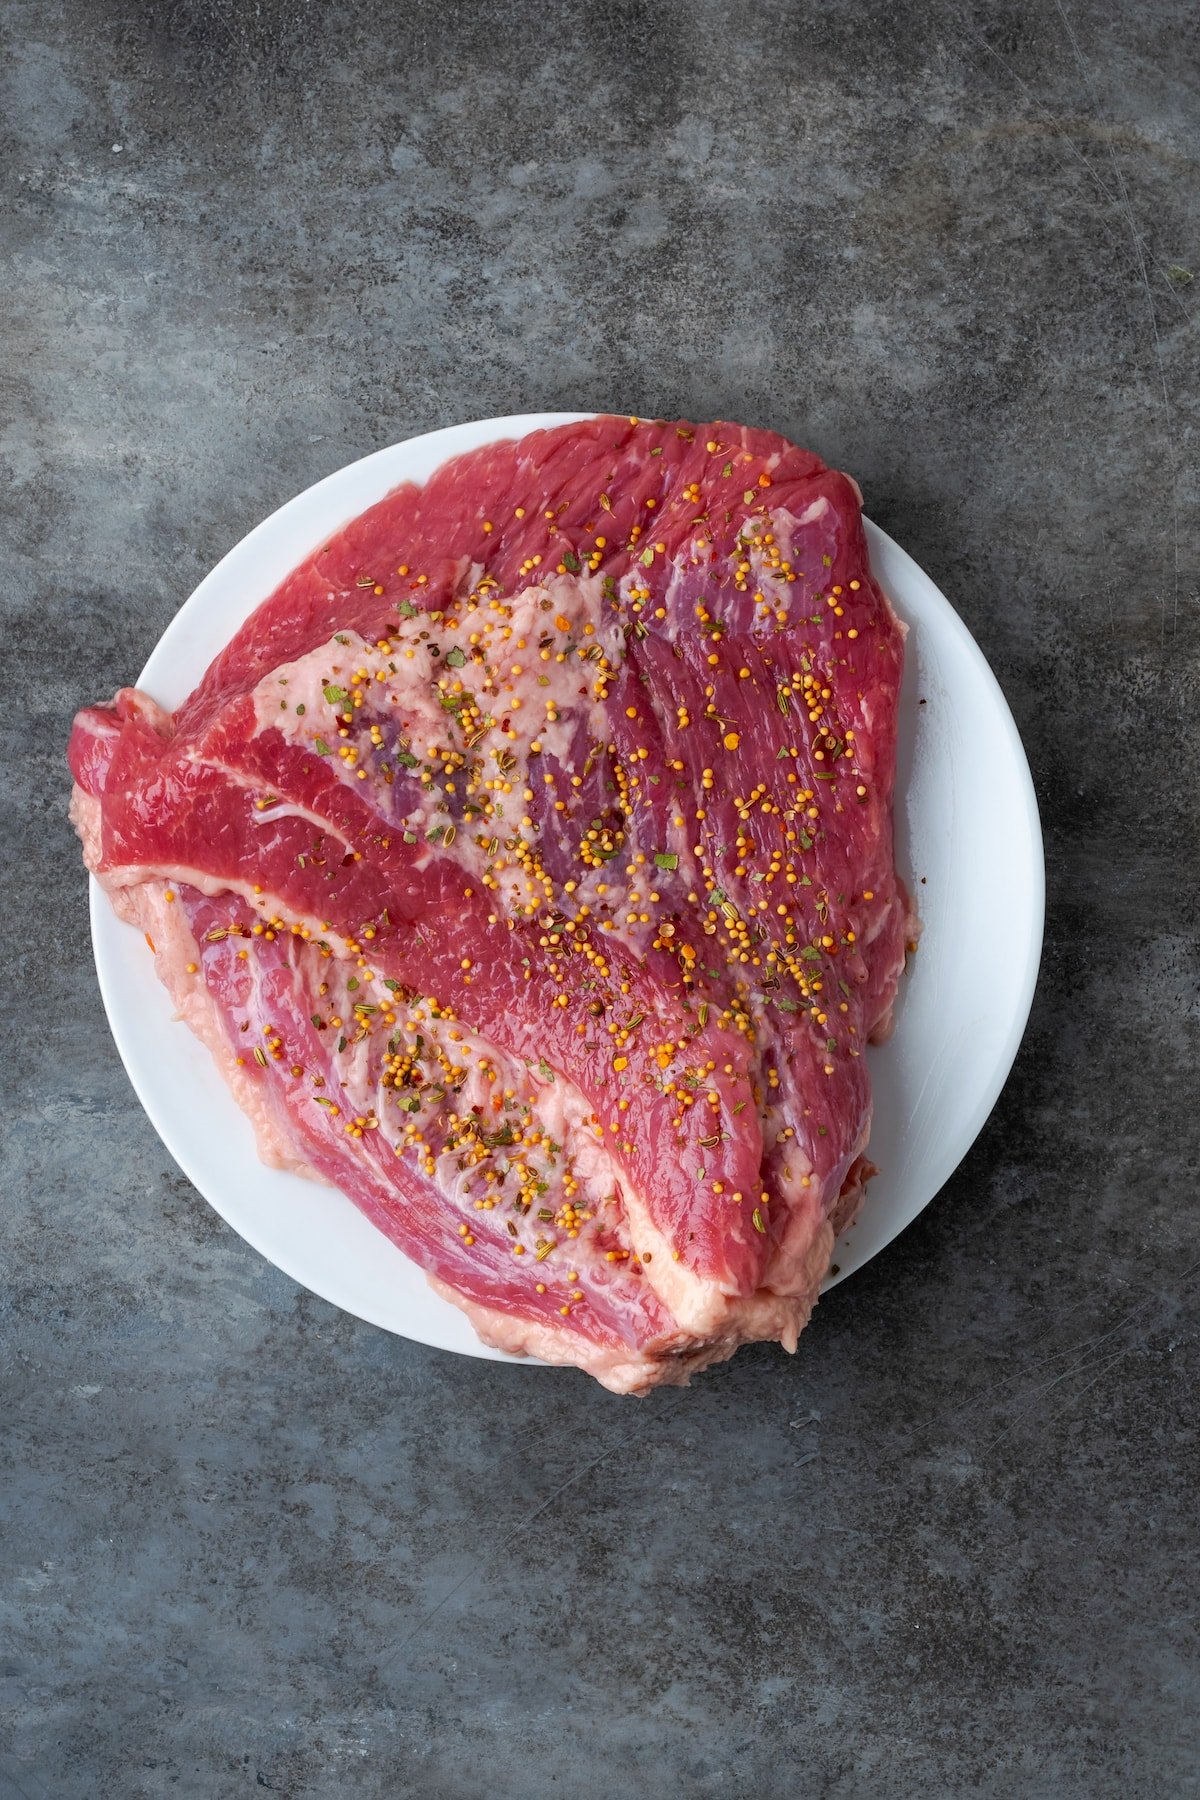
{"x": 526, "y": 862}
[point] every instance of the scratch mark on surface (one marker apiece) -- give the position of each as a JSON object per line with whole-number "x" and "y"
{"x": 1081, "y": 1348}
{"x": 1064, "y": 135}
{"x": 1126, "y": 209}
{"x": 518, "y": 1530}
{"x": 1080, "y": 1392}
{"x": 6, "y": 1768}
{"x": 1096, "y": 1370}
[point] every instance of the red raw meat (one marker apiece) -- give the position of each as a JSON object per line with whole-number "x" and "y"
{"x": 526, "y": 859}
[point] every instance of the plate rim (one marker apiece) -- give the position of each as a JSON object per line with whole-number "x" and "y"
{"x": 101, "y": 915}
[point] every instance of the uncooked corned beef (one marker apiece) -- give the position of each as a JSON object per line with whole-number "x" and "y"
{"x": 526, "y": 861}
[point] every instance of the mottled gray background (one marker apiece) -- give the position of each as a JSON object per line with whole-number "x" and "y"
{"x": 951, "y": 1548}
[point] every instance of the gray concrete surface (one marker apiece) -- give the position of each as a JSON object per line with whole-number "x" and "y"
{"x": 951, "y": 1548}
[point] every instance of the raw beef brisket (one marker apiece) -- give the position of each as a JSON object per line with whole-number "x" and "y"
{"x": 526, "y": 861}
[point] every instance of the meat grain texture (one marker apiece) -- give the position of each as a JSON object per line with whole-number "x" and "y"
{"x": 526, "y": 862}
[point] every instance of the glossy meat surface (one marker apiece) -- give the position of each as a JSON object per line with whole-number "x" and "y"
{"x": 534, "y": 846}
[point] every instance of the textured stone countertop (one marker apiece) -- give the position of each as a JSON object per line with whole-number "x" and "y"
{"x": 950, "y": 1548}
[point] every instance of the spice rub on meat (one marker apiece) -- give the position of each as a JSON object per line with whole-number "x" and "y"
{"x": 530, "y": 859}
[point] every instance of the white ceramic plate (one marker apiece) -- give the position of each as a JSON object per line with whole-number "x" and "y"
{"x": 968, "y": 841}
